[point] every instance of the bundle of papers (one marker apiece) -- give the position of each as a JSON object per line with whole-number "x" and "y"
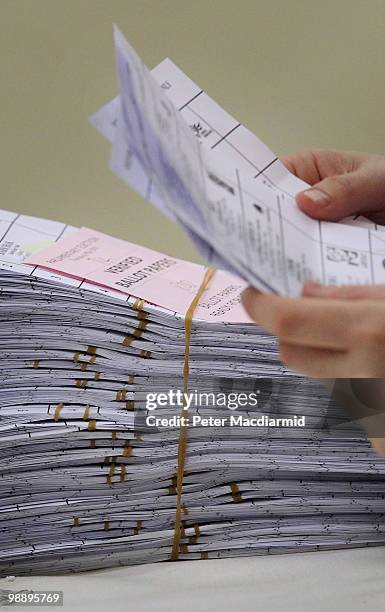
{"x": 235, "y": 199}
{"x": 92, "y": 346}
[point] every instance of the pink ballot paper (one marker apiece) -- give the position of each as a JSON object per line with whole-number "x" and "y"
{"x": 140, "y": 272}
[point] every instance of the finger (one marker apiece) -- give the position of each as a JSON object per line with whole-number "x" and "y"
{"x": 363, "y": 361}
{"x": 339, "y": 196}
{"x": 303, "y": 165}
{"x": 345, "y": 292}
{"x": 314, "y": 362}
{"x": 378, "y": 445}
{"x": 377, "y": 216}
{"x": 307, "y": 322}
{"x": 313, "y": 165}
{"x": 367, "y": 356}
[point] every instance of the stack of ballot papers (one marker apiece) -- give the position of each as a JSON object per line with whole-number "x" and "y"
{"x": 92, "y": 334}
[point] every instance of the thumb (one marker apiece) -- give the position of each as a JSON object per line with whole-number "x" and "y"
{"x": 339, "y": 196}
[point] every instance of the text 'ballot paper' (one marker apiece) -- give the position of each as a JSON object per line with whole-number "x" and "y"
{"x": 140, "y": 272}
{"x": 244, "y": 222}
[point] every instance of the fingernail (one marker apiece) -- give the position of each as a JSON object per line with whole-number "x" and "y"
{"x": 317, "y": 196}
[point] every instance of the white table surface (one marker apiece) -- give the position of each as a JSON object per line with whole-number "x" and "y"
{"x": 344, "y": 580}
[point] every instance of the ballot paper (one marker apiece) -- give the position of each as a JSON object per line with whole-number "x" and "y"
{"x": 231, "y": 194}
{"x": 94, "y": 257}
{"x": 86, "y": 481}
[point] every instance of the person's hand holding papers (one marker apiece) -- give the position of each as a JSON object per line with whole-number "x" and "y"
{"x": 342, "y": 183}
{"x": 331, "y": 331}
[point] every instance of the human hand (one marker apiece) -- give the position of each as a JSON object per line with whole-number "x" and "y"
{"x": 379, "y": 445}
{"x": 336, "y": 332}
{"x": 330, "y": 332}
{"x": 342, "y": 183}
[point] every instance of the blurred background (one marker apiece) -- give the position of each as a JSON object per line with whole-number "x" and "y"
{"x": 298, "y": 73}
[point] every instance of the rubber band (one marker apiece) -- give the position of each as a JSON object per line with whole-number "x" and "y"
{"x": 138, "y": 331}
{"x": 235, "y": 493}
{"x": 122, "y": 472}
{"x": 91, "y": 425}
{"x": 111, "y": 471}
{"x": 172, "y": 487}
{"x": 193, "y": 539}
{"x": 183, "y": 429}
{"x": 81, "y": 383}
{"x": 127, "y": 451}
{"x": 183, "y": 549}
{"x": 123, "y": 395}
{"x": 58, "y": 409}
{"x": 138, "y": 304}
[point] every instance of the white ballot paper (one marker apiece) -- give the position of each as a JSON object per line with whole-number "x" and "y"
{"x": 180, "y": 150}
